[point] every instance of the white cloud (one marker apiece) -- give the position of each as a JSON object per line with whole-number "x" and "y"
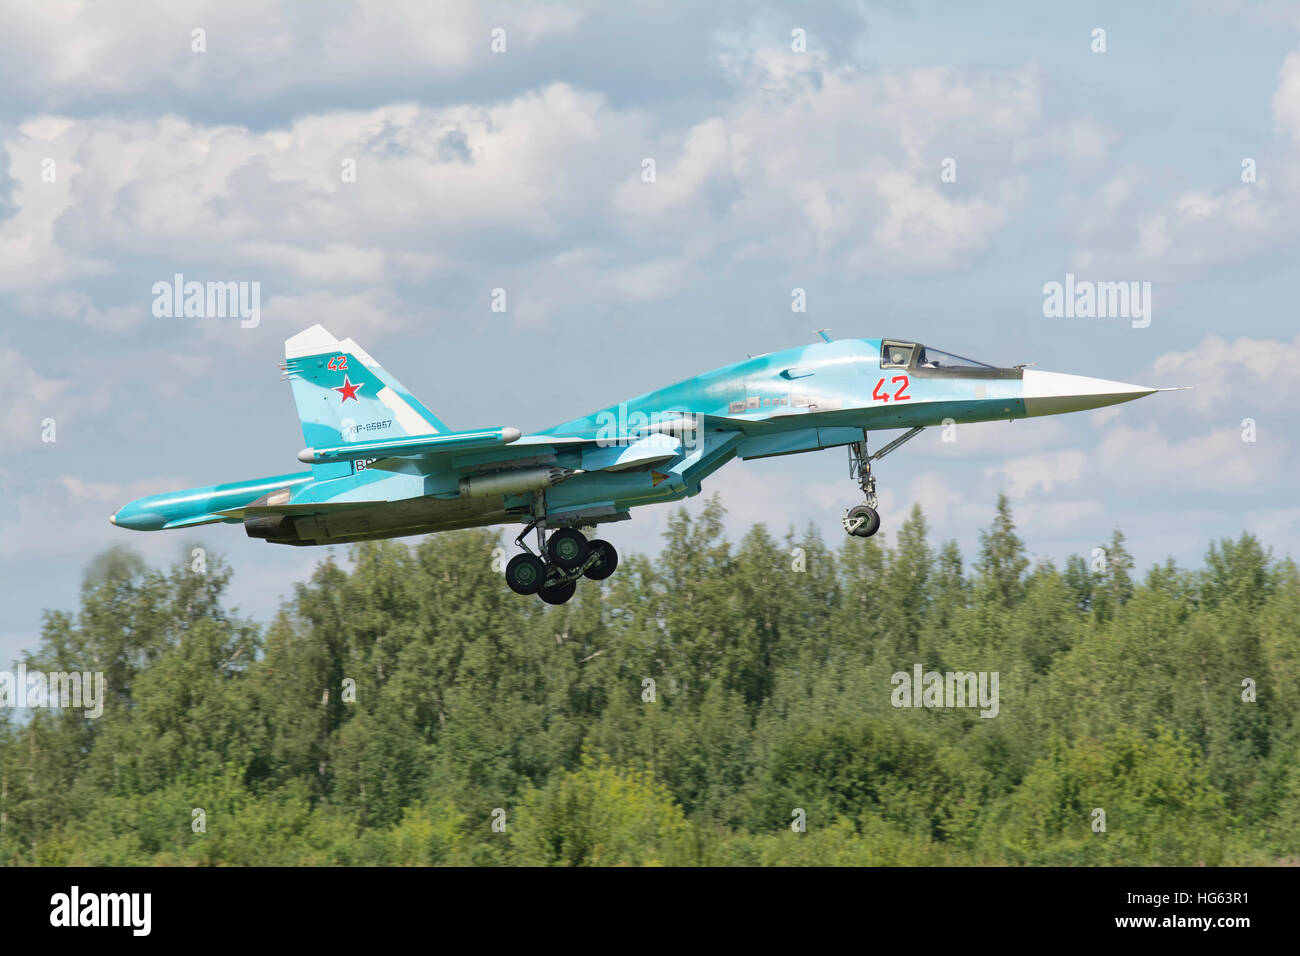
{"x": 1081, "y": 143}
{"x": 523, "y": 182}
{"x": 62, "y": 52}
{"x": 27, "y": 398}
{"x": 1051, "y": 517}
{"x": 1147, "y": 460}
{"x": 942, "y": 500}
{"x": 1286, "y": 97}
{"x": 114, "y": 493}
{"x": 364, "y": 316}
{"x": 1233, "y": 378}
{"x": 834, "y": 166}
{"x": 1179, "y": 235}
{"x": 1020, "y": 477}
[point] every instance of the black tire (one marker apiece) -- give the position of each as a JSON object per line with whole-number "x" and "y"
{"x": 558, "y": 594}
{"x": 866, "y": 519}
{"x": 567, "y": 548}
{"x": 525, "y": 574}
{"x": 607, "y": 563}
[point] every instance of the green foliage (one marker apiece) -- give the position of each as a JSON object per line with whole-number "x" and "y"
{"x": 600, "y": 816}
{"x": 1126, "y": 800}
{"x": 412, "y": 711}
{"x": 1002, "y": 563}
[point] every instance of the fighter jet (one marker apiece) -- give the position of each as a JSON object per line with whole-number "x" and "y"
{"x": 383, "y": 465}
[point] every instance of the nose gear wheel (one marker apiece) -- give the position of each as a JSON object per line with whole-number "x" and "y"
{"x": 862, "y": 521}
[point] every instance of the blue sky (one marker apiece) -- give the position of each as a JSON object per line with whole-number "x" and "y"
{"x": 521, "y": 170}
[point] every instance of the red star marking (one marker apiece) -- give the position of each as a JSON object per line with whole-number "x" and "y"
{"x": 349, "y": 391}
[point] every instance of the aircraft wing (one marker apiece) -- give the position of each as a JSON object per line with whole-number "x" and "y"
{"x": 495, "y": 448}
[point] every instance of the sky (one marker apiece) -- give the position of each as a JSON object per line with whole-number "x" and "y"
{"x": 919, "y": 170}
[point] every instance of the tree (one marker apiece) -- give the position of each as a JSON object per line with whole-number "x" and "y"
{"x": 1112, "y": 585}
{"x": 599, "y": 815}
{"x": 1002, "y": 561}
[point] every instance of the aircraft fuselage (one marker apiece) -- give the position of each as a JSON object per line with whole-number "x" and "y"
{"x": 655, "y": 447}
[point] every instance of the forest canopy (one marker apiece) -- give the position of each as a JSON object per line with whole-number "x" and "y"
{"x": 719, "y": 703}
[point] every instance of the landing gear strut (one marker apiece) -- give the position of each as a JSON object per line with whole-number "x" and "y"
{"x": 862, "y": 521}
{"x": 553, "y": 573}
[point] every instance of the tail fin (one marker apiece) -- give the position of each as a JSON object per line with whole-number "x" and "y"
{"x": 343, "y": 395}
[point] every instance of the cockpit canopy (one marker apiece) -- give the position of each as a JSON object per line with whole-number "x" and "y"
{"x": 894, "y": 354}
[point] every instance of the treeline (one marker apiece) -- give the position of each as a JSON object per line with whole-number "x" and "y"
{"x": 702, "y": 707}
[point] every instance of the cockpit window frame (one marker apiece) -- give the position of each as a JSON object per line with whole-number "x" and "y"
{"x": 962, "y": 361}
{"x": 916, "y": 370}
{"x": 887, "y": 344}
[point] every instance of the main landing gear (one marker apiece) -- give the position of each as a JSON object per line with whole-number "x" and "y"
{"x": 568, "y": 557}
{"x": 862, "y": 521}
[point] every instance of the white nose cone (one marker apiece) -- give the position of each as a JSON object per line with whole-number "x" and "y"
{"x": 1052, "y": 393}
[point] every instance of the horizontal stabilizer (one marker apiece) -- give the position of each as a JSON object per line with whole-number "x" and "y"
{"x": 555, "y": 441}
{"x": 411, "y": 446}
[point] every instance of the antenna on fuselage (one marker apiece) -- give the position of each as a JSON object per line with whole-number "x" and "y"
{"x": 822, "y": 333}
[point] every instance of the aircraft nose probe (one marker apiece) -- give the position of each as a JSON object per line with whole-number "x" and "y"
{"x": 1054, "y": 393}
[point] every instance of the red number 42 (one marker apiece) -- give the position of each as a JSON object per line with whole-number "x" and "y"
{"x": 338, "y": 363}
{"x": 900, "y": 394}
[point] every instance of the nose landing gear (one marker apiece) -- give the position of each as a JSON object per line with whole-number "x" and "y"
{"x": 862, "y": 521}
